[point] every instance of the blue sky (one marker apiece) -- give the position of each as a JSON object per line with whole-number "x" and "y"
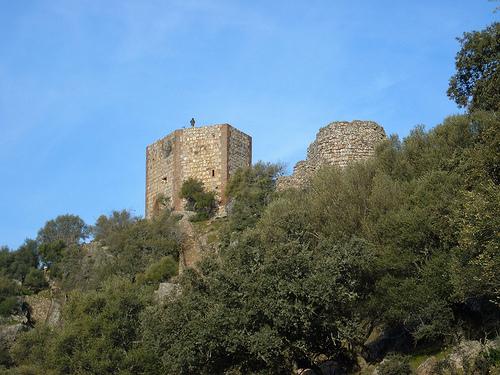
{"x": 85, "y": 85}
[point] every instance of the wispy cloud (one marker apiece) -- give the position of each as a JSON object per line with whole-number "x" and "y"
{"x": 148, "y": 28}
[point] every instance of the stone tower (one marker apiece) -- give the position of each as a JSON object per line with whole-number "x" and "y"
{"x": 210, "y": 154}
{"x": 339, "y": 143}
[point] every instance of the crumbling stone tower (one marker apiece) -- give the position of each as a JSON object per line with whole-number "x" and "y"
{"x": 210, "y": 154}
{"x": 339, "y": 143}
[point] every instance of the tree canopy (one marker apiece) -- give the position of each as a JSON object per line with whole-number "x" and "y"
{"x": 476, "y": 83}
{"x": 70, "y": 229}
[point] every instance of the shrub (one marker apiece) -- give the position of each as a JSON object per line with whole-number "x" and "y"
{"x": 5, "y": 358}
{"x": 160, "y": 271}
{"x": 249, "y": 191}
{"x": 8, "y": 306}
{"x": 197, "y": 199}
{"x": 33, "y": 347}
{"x": 395, "y": 365}
{"x": 35, "y": 280}
{"x": 8, "y": 299}
{"x": 100, "y": 335}
{"x": 488, "y": 361}
{"x": 22, "y": 260}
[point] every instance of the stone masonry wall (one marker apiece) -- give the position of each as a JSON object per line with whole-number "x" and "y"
{"x": 159, "y": 171}
{"x": 239, "y": 149}
{"x": 201, "y": 156}
{"x": 338, "y": 143}
{"x": 209, "y": 153}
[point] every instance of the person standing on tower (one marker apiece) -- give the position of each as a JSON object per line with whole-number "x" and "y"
{"x": 192, "y": 122}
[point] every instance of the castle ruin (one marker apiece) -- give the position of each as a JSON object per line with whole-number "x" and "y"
{"x": 213, "y": 153}
{"x": 338, "y": 143}
{"x": 210, "y": 154}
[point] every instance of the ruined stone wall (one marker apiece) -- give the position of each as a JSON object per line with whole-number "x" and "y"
{"x": 338, "y": 143}
{"x": 209, "y": 153}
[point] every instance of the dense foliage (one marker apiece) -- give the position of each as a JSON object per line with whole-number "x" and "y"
{"x": 126, "y": 247}
{"x": 249, "y": 191}
{"x": 68, "y": 229}
{"x": 408, "y": 239}
{"x": 8, "y": 296}
{"x": 476, "y": 84}
{"x": 17, "y": 264}
{"x": 100, "y": 334}
{"x": 117, "y": 221}
{"x": 107, "y": 285}
{"x": 384, "y": 242}
{"x": 197, "y": 199}
{"x": 19, "y": 274}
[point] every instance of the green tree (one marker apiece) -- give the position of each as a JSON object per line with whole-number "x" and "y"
{"x": 476, "y": 84}
{"x": 160, "y": 271}
{"x": 52, "y": 253}
{"x": 116, "y": 221}
{"x": 5, "y": 259}
{"x": 17, "y": 264}
{"x": 35, "y": 280}
{"x": 70, "y": 229}
{"x": 477, "y": 256}
{"x": 24, "y": 260}
{"x": 189, "y": 190}
{"x": 432, "y": 223}
{"x": 101, "y": 334}
{"x": 268, "y": 303}
{"x": 32, "y": 351}
{"x": 249, "y": 191}
{"x": 8, "y": 296}
{"x": 124, "y": 250}
{"x": 197, "y": 199}
{"x": 476, "y": 215}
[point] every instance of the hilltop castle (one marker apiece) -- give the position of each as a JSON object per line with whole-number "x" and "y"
{"x": 213, "y": 153}
{"x": 210, "y": 154}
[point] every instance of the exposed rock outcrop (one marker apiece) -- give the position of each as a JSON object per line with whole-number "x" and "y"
{"x": 44, "y": 309}
{"x": 428, "y": 367}
{"x": 190, "y": 247}
{"x": 167, "y": 290}
{"x": 464, "y": 355}
{"x": 8, "y": 333}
